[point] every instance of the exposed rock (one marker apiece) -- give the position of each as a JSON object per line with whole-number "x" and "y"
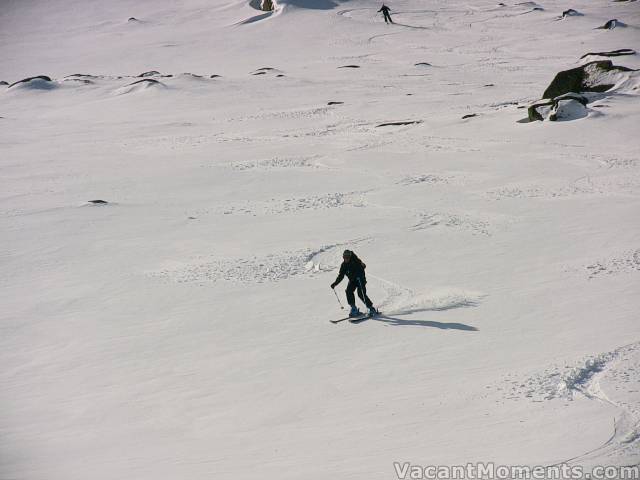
{"x": 611, "y": 24}
{"x": 150, "y": 73}
{"x": 280, "y": 75}
{"x": 335, "y": 103}
{"x": 42, "y": 78}
{"x": 215, "y": 76}
{"x": 470, "y": 115}
{"x": 562, "y": 107}
{"x": 613, "y": 53}
{"x": 133, "y": 19}
{"x": 568, "y": 107}
{"x": 82, "y": 75}
{"x": 571, "y": 13}
{"x": 148, "y": 81}
{"x": 265, "y": 70}
{"x": 489, "y": 85}
{"x": 389, "y": 124}
{"x": 539, "y": 110}
{"x": 83, "y": 81}
{"x": 423, "y": 64}
{"x": 98, "y": 202}
{"x": 350, "y": 66}
{"x": 4, "y": 83}
{"x": 595, "y": 76}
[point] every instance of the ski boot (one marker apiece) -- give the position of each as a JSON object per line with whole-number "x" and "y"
{"x": 372, "y": 311}
{"x": 354, "y": 312}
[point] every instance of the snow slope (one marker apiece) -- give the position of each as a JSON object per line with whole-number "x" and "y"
{"x": 182, "y": 329}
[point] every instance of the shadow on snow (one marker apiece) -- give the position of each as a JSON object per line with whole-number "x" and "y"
{"x": 425, "y": 323}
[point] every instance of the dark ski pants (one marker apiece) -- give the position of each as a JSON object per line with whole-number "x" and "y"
{"x": 387, "y": 18}
{"x": 361, "y": 286}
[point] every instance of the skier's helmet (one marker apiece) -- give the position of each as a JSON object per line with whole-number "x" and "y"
{"x": 347, "y": 254}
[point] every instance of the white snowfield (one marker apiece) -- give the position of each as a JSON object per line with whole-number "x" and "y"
{"x": 182, "y": 329}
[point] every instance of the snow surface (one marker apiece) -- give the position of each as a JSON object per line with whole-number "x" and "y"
{"x": 182, "y": 329}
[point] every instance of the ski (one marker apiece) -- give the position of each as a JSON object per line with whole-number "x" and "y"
{"x": 358, "y": 319}
{"x": 341, "y": 319}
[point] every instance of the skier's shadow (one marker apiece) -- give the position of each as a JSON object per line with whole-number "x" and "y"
{"x": 410, "y": 26}
{"x": 425, "y": 323}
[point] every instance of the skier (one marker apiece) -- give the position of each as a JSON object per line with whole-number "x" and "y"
{"x": 385, "y": 11}
{"x": 353, "y": 268}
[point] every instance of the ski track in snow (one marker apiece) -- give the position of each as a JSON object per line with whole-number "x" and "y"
{"x": 269, "y": 268}
{"x": 430, "y": 179}
{"x": 609, "y": 378}
{"x": 400, "y": 300}
{"x": 626, "y": 263}
{"x": 449, "y": 220}
{"x": 257, "y": 269}
{"x": 289, "y": 205}
{"x": 278, "y": 163}
{"x": 599, "y": 186}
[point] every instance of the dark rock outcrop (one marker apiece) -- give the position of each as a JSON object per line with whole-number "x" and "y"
{"x": 571, "y": 13}
{"x": 335, "y": 103}
{"x": 562, "y": 107}
{"x": 98, "y": 202}
{"x": 422, "y": 64}
{"x": 350, "y": 66}
{"x": 150, "y": 73}
{"x": 148, "y": 81}
{"x": 83, "y": 81}
{"x": 587, "y": 78}
{"x": 612, "y": 53}
{"x": 470, "y": 115}
{"x": 215, "y": 76}
{"x": 611, "y": 24}
{"x": 4, "y": 83}
{"x": 27, "y": 80}
{"x": 133, "y": 19}
{"x": 394, "y": 124}
{"x": 82, "y": 75}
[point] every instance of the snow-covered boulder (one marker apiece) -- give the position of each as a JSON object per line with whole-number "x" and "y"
{"x": 571, "y": 13}
{"x": 40, "y": 82}
{"x": 598, "y": 76}
{"x": 140, "y": 86}
{"x": 611, "y": 24}
{"x": 569, "y": 106}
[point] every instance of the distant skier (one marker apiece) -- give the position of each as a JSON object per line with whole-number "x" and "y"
{"x": 353, "y": 268}
{"x": 385, "y": 11}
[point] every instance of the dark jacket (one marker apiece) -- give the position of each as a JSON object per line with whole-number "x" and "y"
{"x": 353, "y": 269}
{"x": 384, "y": 9}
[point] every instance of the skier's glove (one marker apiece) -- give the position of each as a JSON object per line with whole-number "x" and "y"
{"x": 333, "y": 286}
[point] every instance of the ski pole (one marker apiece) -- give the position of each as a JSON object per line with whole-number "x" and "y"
{"x": 338, "y": 298}
{"x": 361, "y": 292}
